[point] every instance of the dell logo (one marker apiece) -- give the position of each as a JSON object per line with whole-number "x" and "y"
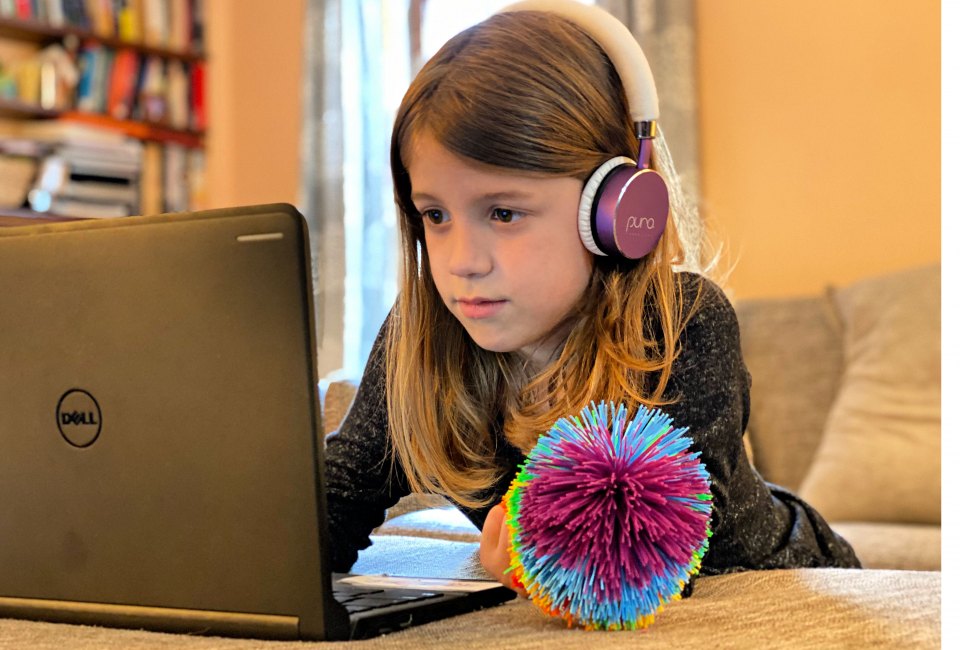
{"x": 637, "y": 223}
{"x": 79, "y": 418}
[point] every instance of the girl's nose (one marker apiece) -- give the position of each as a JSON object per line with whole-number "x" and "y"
{"x": 468, "y": 254}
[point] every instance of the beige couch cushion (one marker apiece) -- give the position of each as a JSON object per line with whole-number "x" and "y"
{"x": 793, "y": 349}
{"x": 879, "y": 459}
{"x": 893, "y": 546}
{"x": 337, "y": 399}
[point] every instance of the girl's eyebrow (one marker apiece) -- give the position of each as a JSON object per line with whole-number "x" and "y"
{"x": 509, "y": 195}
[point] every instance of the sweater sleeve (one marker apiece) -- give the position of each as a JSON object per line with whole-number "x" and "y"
{"x": 361, "y": 479}
{"x": 755, "y": 525}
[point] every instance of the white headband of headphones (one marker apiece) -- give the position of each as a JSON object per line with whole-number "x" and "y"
{"x": 619, "y": 45}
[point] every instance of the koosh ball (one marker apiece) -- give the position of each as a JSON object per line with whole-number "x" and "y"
{"x": 609, "y": 517}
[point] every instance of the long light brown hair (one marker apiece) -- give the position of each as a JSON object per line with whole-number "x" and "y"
{"x": 534, "y": 94}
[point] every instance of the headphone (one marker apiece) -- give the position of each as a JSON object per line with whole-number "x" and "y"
{"x": 624, "y": 205}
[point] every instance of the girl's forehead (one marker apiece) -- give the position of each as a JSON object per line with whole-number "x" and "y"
{"x": 426, "y": 153}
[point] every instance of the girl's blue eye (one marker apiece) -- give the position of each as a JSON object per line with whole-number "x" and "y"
{"x": 435, "y": 217}
{"x": 503, "y": 215}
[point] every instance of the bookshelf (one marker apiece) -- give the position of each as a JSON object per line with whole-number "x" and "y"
{"x": 102, "y": 106}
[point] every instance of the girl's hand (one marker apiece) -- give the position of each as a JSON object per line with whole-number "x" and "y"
{"x": 494, "y": 548}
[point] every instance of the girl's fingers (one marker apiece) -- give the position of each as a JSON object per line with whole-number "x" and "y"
{"x": 495, "y": 549}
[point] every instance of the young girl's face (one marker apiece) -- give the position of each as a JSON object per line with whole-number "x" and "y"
{"x": 504, "y": 249}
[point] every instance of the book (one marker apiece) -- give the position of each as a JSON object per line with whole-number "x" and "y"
{"x": 28, "y": 81}
{"x": 151, "y": 179}
{"x": 197, "y": 178}
{"x": 129, "y": 20}
{"x": 75, "y": 13}
{"x": 197, "y": 15}
{"x": 102, "y": 78}
{"x": 89, "y": 66}
{"x": 88, "y": 209}
{"x": 104, "y": 156}
{"x": 123, "y": 83}
{"x": 98, "y": 191}
{"x": 152, "y": 99}
{"x": 198, "y": 108}
{"x": 180, "y": 25}
{"x": 156, "y": 27}
{"x": 55, "y": 12}
{"x": 39, "y": 10}
{"x": 101, "y": 17}
{"x": 175, "y": 179}
{"x": 178, "y": 96}
{"x": 24, "y": 9}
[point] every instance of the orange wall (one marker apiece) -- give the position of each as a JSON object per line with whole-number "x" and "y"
{"x": 820, "y": 127}
{"x": 253, "y": 145}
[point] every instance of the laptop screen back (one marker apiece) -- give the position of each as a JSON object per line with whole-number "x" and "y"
{"x": 160, "y": 421}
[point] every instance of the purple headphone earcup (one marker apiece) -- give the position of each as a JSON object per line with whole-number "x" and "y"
{"x": 628, "y": 211}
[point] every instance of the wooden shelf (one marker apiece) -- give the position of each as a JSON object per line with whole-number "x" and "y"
{"x": 134, "y": 129}
{"x": 40, "y": 32}
{"x": 139, "y": 130}
{"x": 24, "y": 217}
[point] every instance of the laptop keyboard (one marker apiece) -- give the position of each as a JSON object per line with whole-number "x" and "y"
{"x": 361, "y": 599}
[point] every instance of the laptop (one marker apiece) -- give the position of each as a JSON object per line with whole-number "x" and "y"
{"x": 160, "y": 448}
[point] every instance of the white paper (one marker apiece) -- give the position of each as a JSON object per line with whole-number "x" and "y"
{"x": 427, "y": 584}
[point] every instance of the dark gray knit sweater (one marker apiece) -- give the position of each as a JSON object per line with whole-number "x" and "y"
{"x": 756, "y": 525}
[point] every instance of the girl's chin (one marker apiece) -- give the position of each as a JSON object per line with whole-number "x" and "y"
{"x": 531, "y": 352}
{"x": 490, "y": 341}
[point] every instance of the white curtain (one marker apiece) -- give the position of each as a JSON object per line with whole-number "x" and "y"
{"x": 666, "y": 30}
{"x": 321, "y": 183}
{"x": 357, "y": 66}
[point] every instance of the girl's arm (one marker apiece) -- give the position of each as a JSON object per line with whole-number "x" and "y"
{"x": 360, "y": 477}
{"x": 755, "y": 525}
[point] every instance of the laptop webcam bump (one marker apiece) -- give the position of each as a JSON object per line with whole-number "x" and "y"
{"x": 267, "y": 236}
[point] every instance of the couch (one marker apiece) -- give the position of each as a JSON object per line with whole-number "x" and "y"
{"x": 845, "y": 411}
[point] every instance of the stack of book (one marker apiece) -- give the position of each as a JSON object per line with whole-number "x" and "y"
{"x": 83, "y": 171}
{"x": 74, "y": 169}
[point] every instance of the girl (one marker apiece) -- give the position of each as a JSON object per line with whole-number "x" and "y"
{"x": 505, "y": 322}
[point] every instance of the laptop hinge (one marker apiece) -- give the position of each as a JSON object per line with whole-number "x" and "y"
{"x": 165, "y": 619}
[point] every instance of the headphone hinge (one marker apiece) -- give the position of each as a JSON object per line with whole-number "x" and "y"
{"x": 646, "y": 129}
{"x": 646, "y": 132}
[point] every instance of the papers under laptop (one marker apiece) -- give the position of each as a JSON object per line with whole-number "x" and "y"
{"x": 160, "y": 463}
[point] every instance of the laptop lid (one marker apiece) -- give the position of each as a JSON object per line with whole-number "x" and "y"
{"x": 159, "y": 458}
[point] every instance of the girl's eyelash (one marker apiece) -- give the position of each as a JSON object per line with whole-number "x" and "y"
{"x": 503, "y": 215}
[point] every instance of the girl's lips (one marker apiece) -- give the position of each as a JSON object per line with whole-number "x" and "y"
{"x": 480, "y": 307}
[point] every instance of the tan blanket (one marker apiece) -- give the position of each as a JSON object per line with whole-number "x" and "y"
{"x": 805, "y": 608}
